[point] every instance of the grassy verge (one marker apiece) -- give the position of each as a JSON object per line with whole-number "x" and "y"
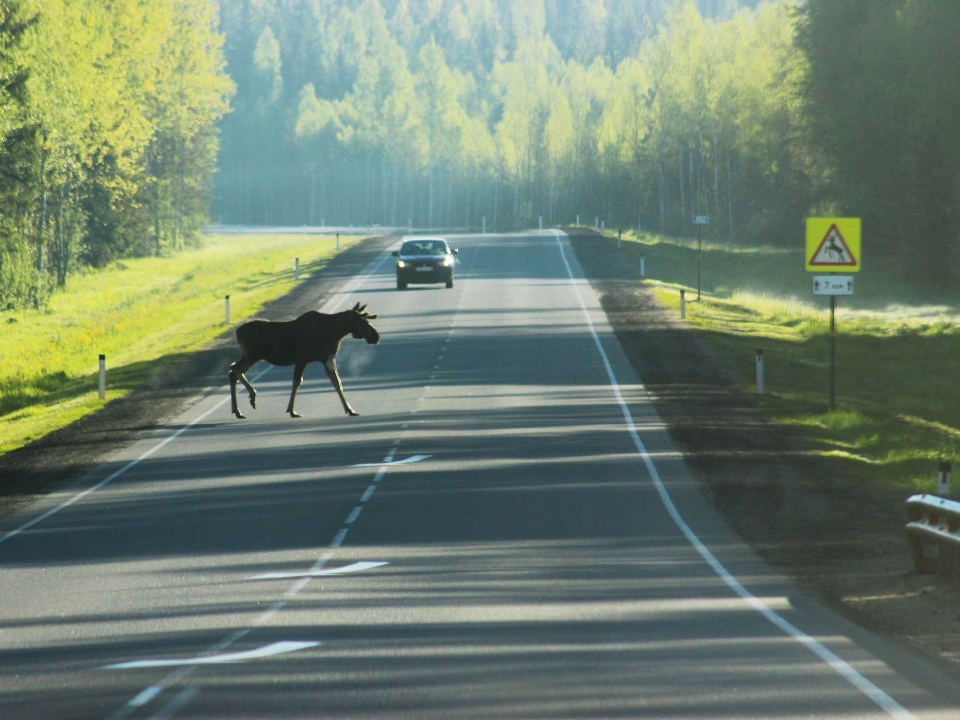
{"x": 143, "y": 314}
{"x": 898, "y": 369}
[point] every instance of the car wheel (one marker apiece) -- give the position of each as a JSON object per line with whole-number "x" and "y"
{"x": 401, "y": 285}
{"x": 450, "y": 281}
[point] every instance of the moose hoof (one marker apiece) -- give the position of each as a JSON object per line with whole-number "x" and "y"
{"x": 294, "y": 414}
{"x": 253, "y": 401}
{"x": 352, "y": 412}
{"x": 239, "y": 414}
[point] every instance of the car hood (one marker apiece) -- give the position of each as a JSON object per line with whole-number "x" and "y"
{"x": 424, "y": 257}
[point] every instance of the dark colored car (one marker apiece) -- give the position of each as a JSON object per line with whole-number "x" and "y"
{"x": 422, "y": 261}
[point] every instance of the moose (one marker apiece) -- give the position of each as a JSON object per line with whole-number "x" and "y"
{"x": 312, "y": 337}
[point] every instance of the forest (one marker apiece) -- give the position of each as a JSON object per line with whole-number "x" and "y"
{"x": 126, "y": 125}
{"x": 633, "y": 113}
{"x": 109, "y": 115}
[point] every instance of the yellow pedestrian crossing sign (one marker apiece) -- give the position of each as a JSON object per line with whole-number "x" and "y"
{"x": 833, "y": 245}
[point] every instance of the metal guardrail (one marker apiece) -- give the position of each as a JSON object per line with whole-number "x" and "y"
{"x": 933, "y": 531}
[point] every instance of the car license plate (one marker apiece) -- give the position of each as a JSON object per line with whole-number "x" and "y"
{"x": 424, "y": 268}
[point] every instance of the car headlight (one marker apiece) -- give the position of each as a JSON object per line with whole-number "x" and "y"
{"x": 401, "y": 263}
{"x": 448, "y": 261}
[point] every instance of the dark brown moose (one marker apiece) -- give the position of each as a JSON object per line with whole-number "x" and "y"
{"x": 312, "y": 337}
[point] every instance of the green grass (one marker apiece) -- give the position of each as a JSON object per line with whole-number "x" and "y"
{"x": 897, "y": 374}
{"x": 143, "y": 314}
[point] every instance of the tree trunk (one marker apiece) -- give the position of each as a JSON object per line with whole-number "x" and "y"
{"x": 430, "y": 188}
{"x": 683, "y": 198}
{"x": 730, "y": 194}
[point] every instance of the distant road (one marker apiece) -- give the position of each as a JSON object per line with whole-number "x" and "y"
{"x": 505, "y": 531}
{"x": 330, "y": 230}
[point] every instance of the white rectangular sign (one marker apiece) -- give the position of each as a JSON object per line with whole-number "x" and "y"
{"x": 701, "y": 220}
{"x": 833, "y": 284}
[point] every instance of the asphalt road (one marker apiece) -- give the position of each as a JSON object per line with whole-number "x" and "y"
{"x": 543, "y": 551}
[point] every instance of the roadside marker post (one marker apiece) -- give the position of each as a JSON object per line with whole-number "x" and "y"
{"x": 484, "y": 224}
{"x": 643, "y": 270}
{"x": 683, "y": 304}
{"x": 700, "y": 221}
{"x": 103, "y": 377}
{"x": 296, "y": 268}
{"x": 619, "y": 239}
{"x": 943, "y": 479}
{"x": 833, "y": 245}
{"x": 541, "y": 222}
{"x": 226, "y": 302}
{"x": 759, "y": 372}
{"x": 338, "y": 242}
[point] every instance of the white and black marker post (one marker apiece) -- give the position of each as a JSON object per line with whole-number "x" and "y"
{"x": 759, "y": 372}
{"x": 541, "y": 222}
{"x": 338, "y": 242}
{"x": 103, "y": 377}
{"x": 296, "y": 268}
{"x": 683, "y": 304}
{"x": 619, "y": 239}
{"x": 226, "y": 308}
{"x": 943, "y": 479}
{"x": 643, "y": 269}
{"x": 484, "y": 222}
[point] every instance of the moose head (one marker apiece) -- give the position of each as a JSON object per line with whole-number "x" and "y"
{"x": 360, "y": 326}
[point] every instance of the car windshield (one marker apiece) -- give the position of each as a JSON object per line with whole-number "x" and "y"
{"x": 424, "y": 247}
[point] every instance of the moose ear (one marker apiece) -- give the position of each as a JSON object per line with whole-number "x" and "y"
{"x": 357, "y": 307}
{"x": 361, "y": 308}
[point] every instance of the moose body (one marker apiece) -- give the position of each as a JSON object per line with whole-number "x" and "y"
{"x": 312, "y": 337}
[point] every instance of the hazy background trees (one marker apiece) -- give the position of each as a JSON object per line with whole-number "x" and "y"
{"x": 441, "y": 113}
{"x": 636, "y": 113}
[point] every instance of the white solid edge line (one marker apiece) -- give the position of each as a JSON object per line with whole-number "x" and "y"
{"x": 110, "y": 478}
{"x": 178, "y": 433}
{"x": 843, "y": 668}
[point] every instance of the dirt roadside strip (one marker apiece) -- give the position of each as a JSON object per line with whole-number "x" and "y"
{"x": 50, "y": 462}
{"x": 838, "y": 542}
{"x": 841, "y": 544}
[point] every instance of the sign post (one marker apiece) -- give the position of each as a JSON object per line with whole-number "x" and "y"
{"x": 700, "y": 221}
{"x": 833, "y": 245}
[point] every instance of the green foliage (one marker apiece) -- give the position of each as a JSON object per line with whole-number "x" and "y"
{"x": 143, "y": 314}
{"x": 895, "y": 417}
{"x": 443, "y": 111}
{"x": 108, "y": 115}
{"x": 882, "y": 102}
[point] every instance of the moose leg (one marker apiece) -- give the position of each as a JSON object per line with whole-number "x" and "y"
{"x": 237, "y": 371}
{"x": 331, "y": 367}
{"x": 297, "y": 379}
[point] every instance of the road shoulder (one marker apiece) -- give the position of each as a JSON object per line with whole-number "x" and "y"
{"x": 54, "y": 461}
{"x": 838, "y": 542}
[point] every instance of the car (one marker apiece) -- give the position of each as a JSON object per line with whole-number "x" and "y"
{"x": 423, "y": 261}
